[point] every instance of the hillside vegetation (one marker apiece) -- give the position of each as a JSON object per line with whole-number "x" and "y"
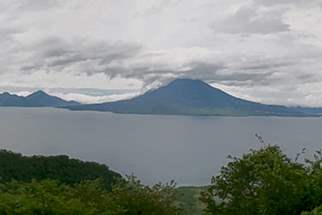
{"x": 58, "y": 185}
{"x": 17, "y": 167}
{"x": 261, "y": 182}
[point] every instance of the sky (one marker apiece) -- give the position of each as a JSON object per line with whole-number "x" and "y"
{"x": 268, "y": 51}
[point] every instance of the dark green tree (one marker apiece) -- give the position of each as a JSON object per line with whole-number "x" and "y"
{"x": 14, "y": 166}
{"x": 50, "y": 197}
{"x": 264, "y": 182}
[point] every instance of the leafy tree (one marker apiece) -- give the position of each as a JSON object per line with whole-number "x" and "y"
{"x": 264, "y": 182}
{"x": 313, "y": 192}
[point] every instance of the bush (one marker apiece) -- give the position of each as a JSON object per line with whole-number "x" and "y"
{"x": 86, "y": 198}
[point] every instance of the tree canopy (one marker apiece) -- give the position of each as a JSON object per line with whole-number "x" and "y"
{"x": 265, "y": 181}
{"x": 50, "y": 197}
{"x": 262, "y": 182}
{"x": 57, "y": 185}
{"x": 14, "y": 166}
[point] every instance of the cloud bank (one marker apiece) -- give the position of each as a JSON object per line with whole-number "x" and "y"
{"x": 268, "y": 51}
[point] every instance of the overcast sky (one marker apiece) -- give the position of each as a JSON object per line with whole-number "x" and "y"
{"x": 265, "y": 50}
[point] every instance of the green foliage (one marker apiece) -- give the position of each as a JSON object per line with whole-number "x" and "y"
{"x": 188, "y": 199}
{"x": 50, "y": 197}
{"x": 14, "y": 166}
{"x": 86, "y": 198}
{"x": 144, "y": 200}
{"x": 316, "y": 211}
{"x": 59, "y": 185}
{"x": 264, "y": 182}
{"x": 261, "y": 182}
{"x": 314, "y": 182}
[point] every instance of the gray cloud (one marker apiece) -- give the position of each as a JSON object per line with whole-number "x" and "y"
{"x": 56, "y": 54}
{"x": 37, "y": 5}
{"x": 130, "y": 61}
{"x": 286, "y": 2}
{"x": 157, "y": 7}
{"x": 249, "y": 20}
{"x": 238, "y": 76}
{"x": 258, "y": 48}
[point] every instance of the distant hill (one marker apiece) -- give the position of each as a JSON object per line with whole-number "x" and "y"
{"x": 36, "y": 99}
{"x": 193, "y": 97}
{"x": 14, "y": 166}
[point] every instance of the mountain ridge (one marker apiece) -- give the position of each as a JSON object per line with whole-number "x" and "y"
{"x": 192, "y": 97}
{"x": 178, "y": 97}
{"x": 36, "y": 99}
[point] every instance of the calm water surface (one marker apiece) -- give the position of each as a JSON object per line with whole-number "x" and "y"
{"x": 155, "y": 148}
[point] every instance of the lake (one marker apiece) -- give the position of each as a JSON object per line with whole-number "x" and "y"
{"x": 155, "y": 148}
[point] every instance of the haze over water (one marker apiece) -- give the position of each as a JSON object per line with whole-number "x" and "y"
{"x": 155, "y": 148}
